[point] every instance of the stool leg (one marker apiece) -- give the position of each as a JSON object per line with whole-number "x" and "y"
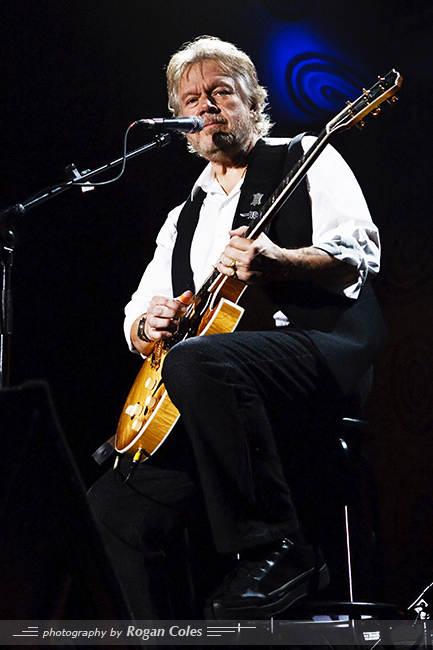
{"x": 349, "y": 556}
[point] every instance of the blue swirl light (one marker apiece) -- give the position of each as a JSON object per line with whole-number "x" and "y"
{"x": 318, "y": 83}
{"x": 308, "y": 80}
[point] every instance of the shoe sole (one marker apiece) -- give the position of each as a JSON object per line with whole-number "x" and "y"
{"x": 286, "y": 597}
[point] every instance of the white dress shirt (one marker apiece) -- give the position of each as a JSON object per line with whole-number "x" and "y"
{"x": 342, "y": 226}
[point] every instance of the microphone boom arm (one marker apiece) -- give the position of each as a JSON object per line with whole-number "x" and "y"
{"x": 8, "y": 240}
{"x": 80, "y": 179}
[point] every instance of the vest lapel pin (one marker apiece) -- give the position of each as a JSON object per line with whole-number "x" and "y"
{"x": 257, "y": 199}
{"x": 249, "y": 215}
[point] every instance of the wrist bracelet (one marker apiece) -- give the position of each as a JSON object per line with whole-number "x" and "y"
{"x": 141, "y": 333}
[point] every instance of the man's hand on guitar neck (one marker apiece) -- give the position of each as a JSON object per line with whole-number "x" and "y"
{"x": 257, "y": 261}
{"x": 161, "y": 321}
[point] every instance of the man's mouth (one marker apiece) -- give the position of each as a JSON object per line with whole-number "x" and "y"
{"x": 214, "y": 123}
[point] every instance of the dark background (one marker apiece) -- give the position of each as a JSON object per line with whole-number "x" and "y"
{"x": 75, "y": 74}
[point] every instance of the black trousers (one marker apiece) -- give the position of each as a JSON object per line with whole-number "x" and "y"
{"x": 242, "y": 397}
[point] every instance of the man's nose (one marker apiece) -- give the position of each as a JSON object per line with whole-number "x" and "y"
{"x": 207, "y": 105}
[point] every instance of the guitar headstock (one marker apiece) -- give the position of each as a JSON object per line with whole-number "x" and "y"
{"x": 368, "y": 102}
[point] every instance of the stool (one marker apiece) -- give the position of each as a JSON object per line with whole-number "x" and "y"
{"x": 358, "y": 538}
{"x": 352, "y": 517}
{"x": 353, "y": 433}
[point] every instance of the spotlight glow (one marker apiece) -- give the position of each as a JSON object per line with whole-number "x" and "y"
{"x": 308, "y": 80}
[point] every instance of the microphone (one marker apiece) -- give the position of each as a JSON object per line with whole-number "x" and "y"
{"x": 182, "y": 124}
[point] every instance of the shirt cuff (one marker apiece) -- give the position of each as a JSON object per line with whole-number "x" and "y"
{"x": 349, "y": 252}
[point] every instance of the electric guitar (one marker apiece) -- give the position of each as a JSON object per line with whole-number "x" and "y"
{"x": 149, "y": 415}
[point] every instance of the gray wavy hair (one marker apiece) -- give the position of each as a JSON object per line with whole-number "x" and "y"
{"x": 233, "y": 61}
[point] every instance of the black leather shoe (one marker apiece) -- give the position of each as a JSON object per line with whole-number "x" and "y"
{"x": 260, "y": 589}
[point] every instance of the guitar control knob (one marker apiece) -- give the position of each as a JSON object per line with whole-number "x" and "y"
{"x": 134, "y": 409}
{"x": 136, "y": 425}
{"x": 150, "y": 401}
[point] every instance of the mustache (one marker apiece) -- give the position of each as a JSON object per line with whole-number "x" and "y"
{"x": 215, "y": 119}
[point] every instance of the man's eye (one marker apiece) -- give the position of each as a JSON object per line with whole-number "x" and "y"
{"x": 191, "y": 100}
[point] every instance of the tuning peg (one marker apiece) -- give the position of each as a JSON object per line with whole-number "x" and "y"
{"x": 350, "y": 108}
{"x": 392, "y": 100}
{"x": 377, "y": 111}
{"x": 360, "y": 125}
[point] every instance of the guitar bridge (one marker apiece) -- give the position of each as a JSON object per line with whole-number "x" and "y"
{"x": 156, "y": 355}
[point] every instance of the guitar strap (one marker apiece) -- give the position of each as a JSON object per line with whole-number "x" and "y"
{"x": 181, "y": 271}
{"x": 267, "y": 166}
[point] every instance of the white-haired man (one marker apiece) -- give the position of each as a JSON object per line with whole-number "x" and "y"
{"x": 239, "y": 393}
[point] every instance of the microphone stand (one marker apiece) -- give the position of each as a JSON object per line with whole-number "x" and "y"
{"x": 8, "y": 238}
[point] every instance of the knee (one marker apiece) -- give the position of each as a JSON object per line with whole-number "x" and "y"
{"x": 183, "y": 360}
{"x": 188, "y": 366}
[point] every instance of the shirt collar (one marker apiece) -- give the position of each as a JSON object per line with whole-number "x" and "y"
{"x": 205, "y": 181}
{"x": 208, "y": 183}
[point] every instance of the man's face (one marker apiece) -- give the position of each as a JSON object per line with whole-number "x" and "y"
{"x": 206, "y": 91}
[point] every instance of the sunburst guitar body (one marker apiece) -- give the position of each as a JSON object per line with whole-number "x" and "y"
{"x": 149, "y": 414}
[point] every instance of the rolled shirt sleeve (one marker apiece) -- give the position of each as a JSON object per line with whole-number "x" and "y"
{"x": 342, "y": 224}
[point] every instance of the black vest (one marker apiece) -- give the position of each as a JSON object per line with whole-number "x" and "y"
{"x": 348, "y": 333}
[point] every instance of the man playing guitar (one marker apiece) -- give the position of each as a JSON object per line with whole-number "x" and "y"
{"x": 243, "y": 394}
